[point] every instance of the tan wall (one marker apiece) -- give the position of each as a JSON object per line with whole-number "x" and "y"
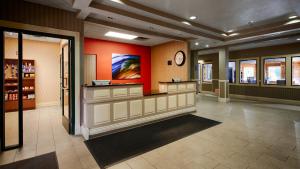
{"x": 160, "y": 70}
{"x": 47, "y": 62}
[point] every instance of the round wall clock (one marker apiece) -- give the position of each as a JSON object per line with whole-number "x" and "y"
{"x": 179, "y": 58}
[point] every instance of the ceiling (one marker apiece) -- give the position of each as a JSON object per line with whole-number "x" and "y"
{"x": 225, "y": 14}
{"x": 92, "y": 30}
{"x": 162, "y": 20}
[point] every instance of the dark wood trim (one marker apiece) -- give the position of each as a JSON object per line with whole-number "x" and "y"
{"x": 20, "y": 86}
{"x": 116, "y": 25}
{"x": 106, "y": 8}
{"x": 169, "y": 16}
{"x": 72, "y": 85}
{"x": 257, "y": 71}
{"x": 2, "y": 108}
{"x": 263, "y": 70}
{"x": 293, "y": 70}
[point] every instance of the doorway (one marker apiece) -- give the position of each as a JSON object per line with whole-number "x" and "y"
{"x": 22, "y": 80}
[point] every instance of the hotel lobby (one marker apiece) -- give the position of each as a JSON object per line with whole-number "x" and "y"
{"x": 162, "y": 84}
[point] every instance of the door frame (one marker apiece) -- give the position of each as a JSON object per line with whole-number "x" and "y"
{"x": 71, "y": 79}
{"x": 65, "y": 121}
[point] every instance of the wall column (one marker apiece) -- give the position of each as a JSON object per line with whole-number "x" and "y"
{"x": 223, "y": 77}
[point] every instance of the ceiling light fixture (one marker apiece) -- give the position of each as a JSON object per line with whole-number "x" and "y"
{"x": 293, "y": 17}
{"x": 117, "y": 1}
{"x": 185, "y": 22}
{"x": 224, "y": 34}
{"x": 120, "y": 35}
{"x": 298, "y": 39}
{"x": 230, "y": 31}
{"x": 293, "y": 22}
{"x": 193, "y": 17}
{"x": 234, "y": 34}
{"x": 196, "y": 43}
{"x": 207, "y": 46}
{"x": 250, "y": 22}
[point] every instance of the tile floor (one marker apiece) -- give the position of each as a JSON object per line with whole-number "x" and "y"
{"x": 253, "y": 135}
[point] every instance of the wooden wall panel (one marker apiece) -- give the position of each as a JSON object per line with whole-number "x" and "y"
{"x": 270, "y": 92}
{"x": 35, "y": 14}
{"x": 257, "y": 91}
{"x": 160, "y": 70}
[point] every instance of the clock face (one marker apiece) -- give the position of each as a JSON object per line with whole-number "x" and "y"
{"x": 179, "y": 58}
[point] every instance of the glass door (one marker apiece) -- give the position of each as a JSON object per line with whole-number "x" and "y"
{"x": 65, "y": 83}
{"x": 11, "y": 82}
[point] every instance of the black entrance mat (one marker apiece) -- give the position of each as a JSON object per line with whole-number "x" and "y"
{"x": 111, "y": 149}
{"x": 46, "y": 161}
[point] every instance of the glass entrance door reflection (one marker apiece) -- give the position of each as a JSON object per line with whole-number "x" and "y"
{"x": 65, "y": 83}
{"x": 12, "y": 87}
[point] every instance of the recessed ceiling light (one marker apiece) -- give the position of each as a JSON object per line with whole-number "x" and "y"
{"x": 233, "y": 34}
{"x": 120, "y": 35}
{"x": 196, "y": 43}
{"x": 207, "y": 46}
{"x": 117, "y": 1}
{"x": 293, "y": 22}
{"x": 185, "y": 22}
{"x": 293, "y": 17}
{"x": 298, "y": 39}
{"x": 250, "y": 22}
{"x": 193, "y": 17}
{"x": 230, "y": 31}
{"x": 224, "y": 34}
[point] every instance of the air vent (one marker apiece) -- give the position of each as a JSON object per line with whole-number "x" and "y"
{"x": 141, "y": 38}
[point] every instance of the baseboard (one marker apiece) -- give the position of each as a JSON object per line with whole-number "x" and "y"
{"x": 266, "y": 99}
{"x": 88, "y": 133}
{"x": 85, "y": 132}
{"x": 224, "y": 100}
{"x": 208, "y": 93}
{"x": 47, "y": 104}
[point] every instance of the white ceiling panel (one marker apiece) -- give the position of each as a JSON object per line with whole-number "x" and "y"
{"x": 116, "y": 18}
{"x": 61, "y": 4}
{"x": 97, "y": 31}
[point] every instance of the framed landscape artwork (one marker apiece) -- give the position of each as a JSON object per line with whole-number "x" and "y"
{"x": 126, "y": 66}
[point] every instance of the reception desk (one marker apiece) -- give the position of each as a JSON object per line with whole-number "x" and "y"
{"x": 108, "y": 109}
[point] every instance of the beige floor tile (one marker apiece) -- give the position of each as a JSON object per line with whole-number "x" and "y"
{"x": 7, "y": 157}
{"x": 139, "y": 162}
{"x": 120, "y": 166}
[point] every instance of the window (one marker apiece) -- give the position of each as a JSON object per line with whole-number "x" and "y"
{"x": 248, "y": 71}
{"x": 296, "y": 71}
{"x": 207, "y": 73}
{"x": 274, "y": 71}
{"x": 231, "y": 72}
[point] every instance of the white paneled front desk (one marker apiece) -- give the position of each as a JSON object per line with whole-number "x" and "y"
{"x": 108, "y": 109}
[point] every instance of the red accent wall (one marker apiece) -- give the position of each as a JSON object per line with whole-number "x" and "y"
{"x": 104, "y": 50}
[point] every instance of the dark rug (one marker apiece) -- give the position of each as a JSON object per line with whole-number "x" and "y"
{"x": 111, "y": 149}
{"x": 46, "y": 161}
